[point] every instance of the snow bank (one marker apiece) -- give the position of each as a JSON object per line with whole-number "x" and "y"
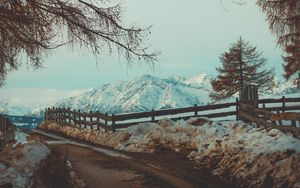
{"x": 243, "y": 153}
{"x": 20, "y": 137}
{"x": 19, "y": 162}
{"x": 97, "y": 137}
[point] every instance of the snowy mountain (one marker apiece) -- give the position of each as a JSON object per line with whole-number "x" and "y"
{"x": 19, "y": 110}
{"x": 37, "y": 112}
{"x": 283, "y": 88}
{"x": 201, "y": 81}
{"x": 143, "y": 94}
{"x": 148, "y": 92}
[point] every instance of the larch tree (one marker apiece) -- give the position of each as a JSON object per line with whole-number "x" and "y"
{"x": 241, "y": 65}
{"x": 284, "y": 21}
{"x": 33, "y": 28}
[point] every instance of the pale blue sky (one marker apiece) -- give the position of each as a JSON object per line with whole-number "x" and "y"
{"x": 191, "y": 35}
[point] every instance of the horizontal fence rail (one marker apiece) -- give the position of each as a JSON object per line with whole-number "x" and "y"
{"x": 273, "y": 117}
{"x": 112, "y": 122}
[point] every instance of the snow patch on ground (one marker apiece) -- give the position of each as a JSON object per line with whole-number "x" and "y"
{"x": 18, "y": 162}
{"x": 97, "y": 137}
{"x": 187, "y": 135}
{"x": 240, "y": 149}
{"x": 20, "y": 137}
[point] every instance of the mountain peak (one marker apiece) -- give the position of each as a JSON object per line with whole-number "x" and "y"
{"x": 143, "y": 93}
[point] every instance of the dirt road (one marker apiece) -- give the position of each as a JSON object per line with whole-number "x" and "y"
{"x": 104, "y": 167}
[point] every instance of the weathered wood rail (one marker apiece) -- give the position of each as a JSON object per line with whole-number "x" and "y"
{"x": 273, "y": 117}
{"x": 7, "y": 130}
{"x": 284, "y": 104}
{"x": 112, "y": 122}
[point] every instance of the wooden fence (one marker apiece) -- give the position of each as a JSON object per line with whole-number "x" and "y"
{"x": 113, "y": 121}
{"x": 7, "y": 130}
{"x": 274, "y": 116}
{"x": 286, "y": 104}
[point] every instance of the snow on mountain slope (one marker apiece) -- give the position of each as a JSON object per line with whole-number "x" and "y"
{"x": 140, "y": 94}
{"x": 19, "y": 110}
{"x": 283, "y": 88}
{"x": 201, "y": 81}
{"x": 147, "y": 92}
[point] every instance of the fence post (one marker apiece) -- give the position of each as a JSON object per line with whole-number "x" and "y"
{"x": 98, "y": 121}
{"x": 45, "y": 114}
{"x": 237, "y": 108}
{"x": 62, "y": 114}
{"x": 255, "y": 96}
{"x": 6, "y": 124}
{"x": 60, "y": 110}
{"x": 152, "y": 116}
{"x": 105, "y": 121}
{"x": 84, "y": 123}
{"x": 56, "y": 115}
{"x": 48, "y": 114}
{"x": 69, "y": 115}
{"x": 113, "y": 124}
{"x": 91, "y": 119}
{"x": 196, "y": 111}
{"x": 273, "y": 122}
{"x": 283, "y": 103}
{"x": 74, "y": 117}
{"x": 2, "y": 124}
{"x": 79, "y": 119}
{"x": 52, "y": 114}
{"x": 280, "y": 121}
{"x": 294, "y": 123}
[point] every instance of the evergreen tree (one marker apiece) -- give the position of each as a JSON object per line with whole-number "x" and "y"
{"x": 292, "y": 59}
{"x": 284, "y": 21}
{"x": 241, "y": 65}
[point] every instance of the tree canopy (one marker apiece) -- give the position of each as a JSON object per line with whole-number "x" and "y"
{"x": 34, "y": 27}
{"x": 241, "y": 65}
{"x": 284, "y": 21}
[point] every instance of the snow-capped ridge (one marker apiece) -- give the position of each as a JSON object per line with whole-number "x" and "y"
{"x": 139, "y": 94}
{"x": 148, "y": 92}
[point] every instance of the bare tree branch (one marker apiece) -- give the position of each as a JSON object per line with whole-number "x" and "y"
{"x": 35, "y": 27}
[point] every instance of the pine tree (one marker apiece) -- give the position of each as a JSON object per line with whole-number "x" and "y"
{"x": 241, "y": 65}
{"x": 292, "y": 59}
{"x": 284, "y": 22}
